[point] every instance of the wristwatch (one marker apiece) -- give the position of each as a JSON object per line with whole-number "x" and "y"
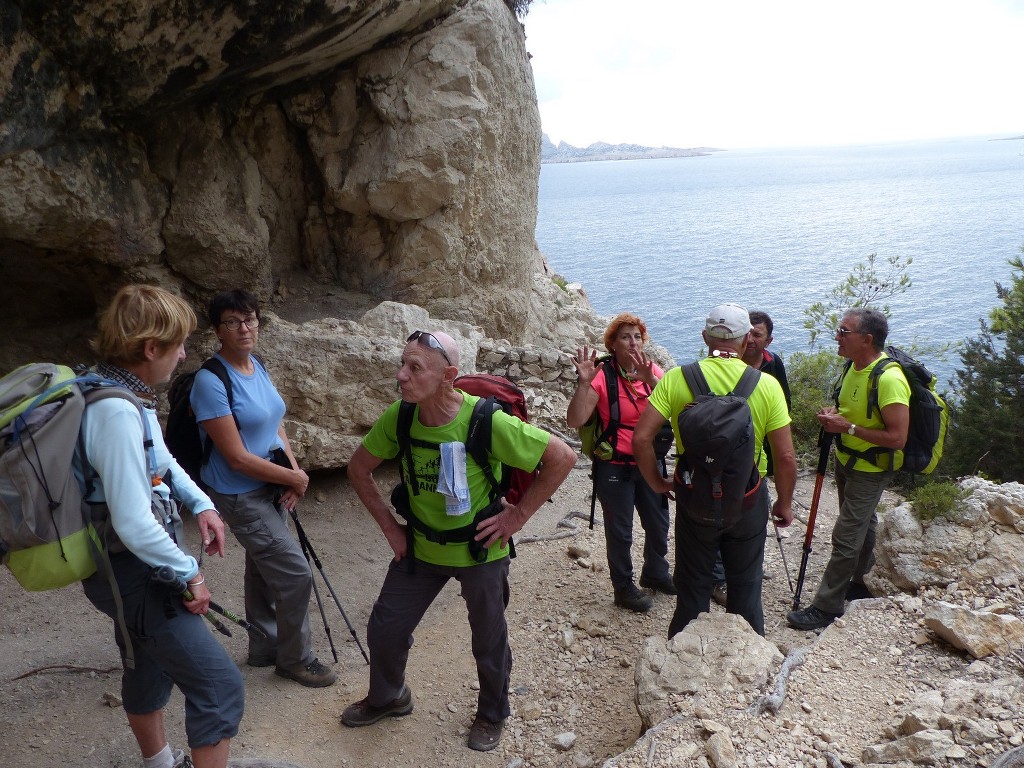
{"x": 852, "y": 430}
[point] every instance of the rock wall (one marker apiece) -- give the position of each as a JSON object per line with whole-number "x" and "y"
{"x": 389, "y": 149}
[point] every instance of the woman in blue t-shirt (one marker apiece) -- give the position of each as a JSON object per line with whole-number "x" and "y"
{"x": 253, "y": 489}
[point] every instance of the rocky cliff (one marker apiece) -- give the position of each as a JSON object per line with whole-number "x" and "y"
{"x": 327, "y": 156}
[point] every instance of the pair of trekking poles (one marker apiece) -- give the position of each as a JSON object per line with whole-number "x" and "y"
{"x": 165, "y": 575}
{"x": 824, "y": 448}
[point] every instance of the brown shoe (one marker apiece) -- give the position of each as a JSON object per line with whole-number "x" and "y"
{"x": 364, "y": 713}
{"x": 484, "y": 735}
{"x": 314, "y": 675}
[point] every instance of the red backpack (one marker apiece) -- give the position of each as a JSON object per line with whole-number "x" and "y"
{"x": 495, "y": 392}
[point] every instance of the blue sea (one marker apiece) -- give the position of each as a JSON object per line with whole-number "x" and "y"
{"x": 777, "y": 229}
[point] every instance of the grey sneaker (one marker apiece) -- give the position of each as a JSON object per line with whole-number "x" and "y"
{"x": 314, "y": 675}
{"x": 632, "y": 598}
{"x": 484, "y": 735}
{"x": 364, "y": 713}
{"x": 181, "y": 760}
{"x": 811, "y": 617}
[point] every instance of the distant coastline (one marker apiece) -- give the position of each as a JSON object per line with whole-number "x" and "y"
{"x": 567, "y": 153}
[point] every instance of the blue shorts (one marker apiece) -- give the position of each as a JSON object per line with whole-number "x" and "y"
{"x": 172, "y": 647}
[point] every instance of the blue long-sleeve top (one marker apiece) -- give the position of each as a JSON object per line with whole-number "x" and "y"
{"x": 113, "y": 437}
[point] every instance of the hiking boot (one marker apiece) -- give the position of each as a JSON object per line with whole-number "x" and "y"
{"x": 181, "y": 760}
{"x": 720, "y": 593}
{"x": 632, "y": 598}
{"x": 484, "y": 735}
{"x": 363, "y": 713}
{"x": 665, "y": 585}
{"x": 857, "y": 591}
{"x": 313, "y": 675}
{"x": 811, "y": 617}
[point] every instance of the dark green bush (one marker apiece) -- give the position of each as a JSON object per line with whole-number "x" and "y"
{"x": 812, "y": 377}
{"x": 935, "y": 498}
{"x": 986, "y": 431}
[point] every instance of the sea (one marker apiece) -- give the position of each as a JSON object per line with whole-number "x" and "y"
{"x": 778, "y": 229}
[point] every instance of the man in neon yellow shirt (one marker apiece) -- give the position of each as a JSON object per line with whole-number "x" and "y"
{"x": 741, "y": 542}
{"x": 859, "y": 480}
{"x": 415, "y": 577}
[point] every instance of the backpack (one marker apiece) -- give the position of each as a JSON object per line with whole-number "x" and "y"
{"x": 495, "y": 393}
{"x": 47, "y": 536}
{"x": 181, "y": 433}
{"x": 719, "y": 476}
{"x": 595, "y": 438}
{"x": 929, "y": 416}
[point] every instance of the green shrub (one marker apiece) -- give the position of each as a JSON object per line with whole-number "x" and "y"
{"x": 935, "y": 498}
{"x": 986, "y": 429}
{"x": 812, "y": 377}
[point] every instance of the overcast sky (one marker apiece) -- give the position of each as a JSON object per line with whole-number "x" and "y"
{"x": 754, "y": 73}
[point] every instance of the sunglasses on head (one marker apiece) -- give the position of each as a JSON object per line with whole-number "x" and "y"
{"x": 428, "y": 340}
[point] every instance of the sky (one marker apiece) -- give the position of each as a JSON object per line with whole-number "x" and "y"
{"x": 752, "y": 73}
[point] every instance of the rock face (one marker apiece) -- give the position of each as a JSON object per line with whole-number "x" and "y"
{"x": 385, "y": 149}
{"x": 979, "y": 541}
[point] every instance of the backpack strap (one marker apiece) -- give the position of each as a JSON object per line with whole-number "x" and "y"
{"x": 478, "y": 440}
{"x": 873, "y": 454}
{"x": 101, "y": 389}
{"x": 748, "y": 383}
{"x": 695, "y": 380}
{"x": 218, "y": 369}
{"x": 609, "y": 433}
{"x": 478, "y": 448}
{"x": 406, "y": 467}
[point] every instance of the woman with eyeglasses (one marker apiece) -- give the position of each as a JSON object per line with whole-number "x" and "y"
{"x": 254, "y": 480}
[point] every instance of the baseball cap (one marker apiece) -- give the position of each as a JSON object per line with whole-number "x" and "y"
{"x": 727, "y": 321}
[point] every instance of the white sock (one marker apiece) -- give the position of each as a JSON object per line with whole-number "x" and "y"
{"x": 162, "y": 759}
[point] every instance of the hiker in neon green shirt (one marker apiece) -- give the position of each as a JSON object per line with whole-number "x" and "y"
{"x": 416, "y": 576}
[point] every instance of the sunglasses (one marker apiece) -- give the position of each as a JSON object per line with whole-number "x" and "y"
{"x": 843, "y": 331}
{"x": 428, "y": 340}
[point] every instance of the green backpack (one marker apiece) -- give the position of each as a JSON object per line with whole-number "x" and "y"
{"x": 47, "y": 538}
{"x": 597, "y": 440}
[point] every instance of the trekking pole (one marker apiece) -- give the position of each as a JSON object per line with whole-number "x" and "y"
{"x": 255, "y": 632}
{"x": 593, "y": 497}
{"x": 824, "y": 444}
{"x": 319, "y": 600}
{"x": 307, "y": 548}
{"x": 165, "y": 575}
{"x": 778, "y": 538}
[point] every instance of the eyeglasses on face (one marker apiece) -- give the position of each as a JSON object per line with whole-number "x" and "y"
{"x": 428, "y": 341}
{"x": 233, "y": 323}
{"x": 843, "y": 331}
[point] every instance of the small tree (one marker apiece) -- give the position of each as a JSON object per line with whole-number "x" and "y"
{"x": 868, "y": 285}
{"x": 987, "y": 414}
{"x": 813, "y": 376}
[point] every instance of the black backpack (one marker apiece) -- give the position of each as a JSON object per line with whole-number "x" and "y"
{"x": 182, "y": 433}
{"x": 717, "y": 476}
{"x": 929, "y": 415}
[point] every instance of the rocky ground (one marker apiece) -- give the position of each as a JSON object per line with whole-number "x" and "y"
{"x": 573, "y": 684}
